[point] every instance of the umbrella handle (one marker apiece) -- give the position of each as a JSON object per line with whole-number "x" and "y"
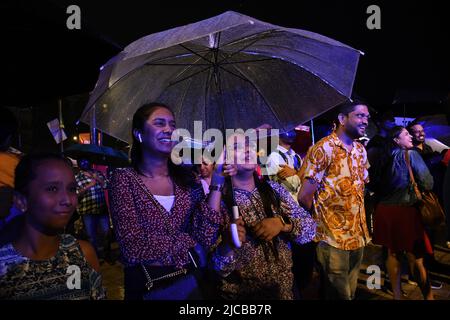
{"x": 234, "y": 231}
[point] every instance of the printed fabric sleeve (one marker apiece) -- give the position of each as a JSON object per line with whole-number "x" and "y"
{"x": 136, "y": 243}
{"x": 224, "y": 265}
{"x": 206, "y": 221}
{"x": 81, "y": 180}
{"x": 303, "y": 225}
{"x": 316, "y": 162}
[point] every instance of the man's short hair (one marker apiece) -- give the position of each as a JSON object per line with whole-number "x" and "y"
{"x": 350, "y": 106}
{"x": 346, "y": 108}
{"x": 412, "y": 124}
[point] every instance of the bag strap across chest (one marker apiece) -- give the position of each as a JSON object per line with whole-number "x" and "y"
{"x": 411, "y": 176}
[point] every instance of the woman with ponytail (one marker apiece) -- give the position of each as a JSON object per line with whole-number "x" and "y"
{"x": 397, "y": 224}
{"x": 161, "y": 216}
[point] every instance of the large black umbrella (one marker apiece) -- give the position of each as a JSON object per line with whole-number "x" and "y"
{"x": 229, "y": 71}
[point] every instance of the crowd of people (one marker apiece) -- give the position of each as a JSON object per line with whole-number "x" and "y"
{"x": 177, "y": 226}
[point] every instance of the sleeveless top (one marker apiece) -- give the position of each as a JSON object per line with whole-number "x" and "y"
{"x": 66, "y": 276}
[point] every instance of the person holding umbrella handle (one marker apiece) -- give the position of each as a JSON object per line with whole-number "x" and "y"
{"x": 253, "y": 259}
{"x": 223, "y": 171}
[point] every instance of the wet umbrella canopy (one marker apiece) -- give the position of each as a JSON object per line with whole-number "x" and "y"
{"x": 229, "y": 71}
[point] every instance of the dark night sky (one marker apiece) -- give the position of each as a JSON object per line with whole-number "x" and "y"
{"x": 43, "y": 60}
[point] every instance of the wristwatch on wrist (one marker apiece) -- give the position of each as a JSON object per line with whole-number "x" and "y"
{"x": 218, "y": 187}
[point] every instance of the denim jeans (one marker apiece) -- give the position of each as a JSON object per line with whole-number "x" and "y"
{"x": 339, "y": 270}
{"x": 97, "y": 228}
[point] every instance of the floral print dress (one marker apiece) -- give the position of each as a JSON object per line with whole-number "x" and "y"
{"x": 25, "y": 279}
{"x": 263, "y": 270}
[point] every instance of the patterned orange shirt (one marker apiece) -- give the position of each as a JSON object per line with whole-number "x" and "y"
{"x": 8, "y": 163}
{"x": 339, "y": 200}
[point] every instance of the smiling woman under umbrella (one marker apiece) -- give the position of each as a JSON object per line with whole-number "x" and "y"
{"x": 161, "y": 217}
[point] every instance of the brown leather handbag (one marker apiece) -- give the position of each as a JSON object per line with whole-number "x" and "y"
{"x": 428, "y": 203}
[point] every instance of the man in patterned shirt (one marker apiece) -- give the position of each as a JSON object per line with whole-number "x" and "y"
{"x": 333, "y": 176}
{"x": 92, "y": 204}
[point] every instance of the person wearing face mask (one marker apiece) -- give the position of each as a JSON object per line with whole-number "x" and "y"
{"x": 161, "y": 217}
{"x": 397, "y": 225}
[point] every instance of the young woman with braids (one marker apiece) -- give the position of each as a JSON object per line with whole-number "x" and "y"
{"x": 270, "y": 218}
